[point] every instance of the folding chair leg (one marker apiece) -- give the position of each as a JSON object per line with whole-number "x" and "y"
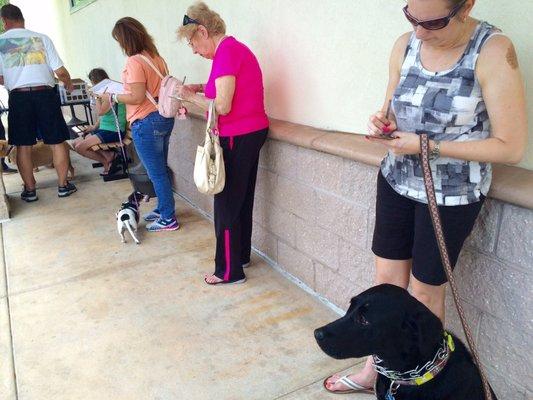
{"x": 125, "y": 159}
{"x": 115, "y": 177}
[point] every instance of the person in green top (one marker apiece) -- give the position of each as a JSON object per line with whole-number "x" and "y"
{"x": 103, "y": 131}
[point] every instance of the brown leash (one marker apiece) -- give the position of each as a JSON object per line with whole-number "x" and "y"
{"x": 435, "y": 219}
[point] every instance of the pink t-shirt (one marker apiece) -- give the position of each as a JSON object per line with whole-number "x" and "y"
{"x": 247, "y": 114}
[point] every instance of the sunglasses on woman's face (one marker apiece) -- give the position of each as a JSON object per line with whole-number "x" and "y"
{"x": 187, "y": 20}
{"x": 434, "y": 24}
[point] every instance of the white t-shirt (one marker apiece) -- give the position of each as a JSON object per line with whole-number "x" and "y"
{"x": 27, "y": 59}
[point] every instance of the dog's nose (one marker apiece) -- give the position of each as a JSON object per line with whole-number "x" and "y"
{"x": 319, "y": 334}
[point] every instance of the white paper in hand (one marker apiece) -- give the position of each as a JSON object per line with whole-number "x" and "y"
{"x": 108, "y": 86}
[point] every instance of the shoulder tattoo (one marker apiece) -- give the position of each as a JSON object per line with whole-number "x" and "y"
{"x": 511, "y": 57}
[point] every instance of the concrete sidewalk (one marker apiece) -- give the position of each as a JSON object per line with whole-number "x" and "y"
{"x": 87, "y": 317}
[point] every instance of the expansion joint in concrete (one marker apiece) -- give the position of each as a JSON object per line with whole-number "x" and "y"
{"x": 8, "y": 319}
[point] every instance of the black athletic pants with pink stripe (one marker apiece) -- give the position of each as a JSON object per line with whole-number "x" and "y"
{"x": 234, "y": 205}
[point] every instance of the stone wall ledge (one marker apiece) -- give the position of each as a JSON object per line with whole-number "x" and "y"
{"x": 314, "y": 219}
{"x": 510, "y": 184}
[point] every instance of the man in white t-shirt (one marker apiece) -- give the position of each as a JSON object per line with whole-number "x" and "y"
{"x": 28, "y": 62}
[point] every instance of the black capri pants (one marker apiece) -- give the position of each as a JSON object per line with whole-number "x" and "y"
{"x": 233, "y": 207}
{"x": 404, "y": 231}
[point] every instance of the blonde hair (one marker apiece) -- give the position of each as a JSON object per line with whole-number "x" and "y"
{"x": 208, "y": 18}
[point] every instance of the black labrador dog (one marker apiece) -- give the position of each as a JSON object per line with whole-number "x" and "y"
{"x": 403, "y": 335}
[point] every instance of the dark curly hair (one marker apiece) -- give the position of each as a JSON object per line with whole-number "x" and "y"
{"x": 97, "y": 75}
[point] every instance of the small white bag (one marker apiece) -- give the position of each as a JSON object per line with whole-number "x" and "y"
{"x": 209, "y": 171}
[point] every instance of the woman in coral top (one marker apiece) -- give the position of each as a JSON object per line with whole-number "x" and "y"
{"x": 150, "y": 131}
{"x": 236, "y": 86}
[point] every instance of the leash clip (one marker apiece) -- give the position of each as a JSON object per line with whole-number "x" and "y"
{"x": 392, "y": 390}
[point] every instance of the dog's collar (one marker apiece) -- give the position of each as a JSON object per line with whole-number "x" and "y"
{"x": 419, "y": 375}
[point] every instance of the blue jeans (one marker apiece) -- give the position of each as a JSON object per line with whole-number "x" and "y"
{"x": 150, "y": 137}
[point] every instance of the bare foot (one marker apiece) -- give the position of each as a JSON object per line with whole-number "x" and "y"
{"x": 109, "y": 158}
{"x": 212, "y": 279}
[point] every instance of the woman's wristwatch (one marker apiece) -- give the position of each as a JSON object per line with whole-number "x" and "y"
{"x": 435, "y": 153}
{"x": 114, "y": 98}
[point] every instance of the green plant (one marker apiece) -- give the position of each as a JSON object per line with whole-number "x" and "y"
{"x": 3, "y": 3}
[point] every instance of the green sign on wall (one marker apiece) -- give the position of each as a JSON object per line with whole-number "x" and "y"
{"x": 77, "y": 4}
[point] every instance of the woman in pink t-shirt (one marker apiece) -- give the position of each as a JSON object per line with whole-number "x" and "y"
{"x": 236, "y": 86}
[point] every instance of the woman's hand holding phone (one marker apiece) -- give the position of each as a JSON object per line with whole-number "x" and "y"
{"x": 384, "y": 130}
{"x": 381, "y": 125}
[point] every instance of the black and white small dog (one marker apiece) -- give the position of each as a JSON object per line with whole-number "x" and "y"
{"x": 128, "y": 216}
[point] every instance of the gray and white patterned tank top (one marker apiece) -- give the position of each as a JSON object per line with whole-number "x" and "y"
{"x": 448, "y": 106}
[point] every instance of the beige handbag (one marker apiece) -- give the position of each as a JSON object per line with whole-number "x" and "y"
{"x": 209, "y": 172}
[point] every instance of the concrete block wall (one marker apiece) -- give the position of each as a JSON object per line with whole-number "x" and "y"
{"x": 314, "y": 218}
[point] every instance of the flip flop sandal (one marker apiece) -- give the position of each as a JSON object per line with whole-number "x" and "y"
{"x": 354, "y": 387}
{"x": 226, "y": 282}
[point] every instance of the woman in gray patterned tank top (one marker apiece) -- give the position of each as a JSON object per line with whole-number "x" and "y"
{"x": 456, "y": 79}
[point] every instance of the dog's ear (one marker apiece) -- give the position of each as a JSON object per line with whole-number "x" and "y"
{"x": 353, "y": 302}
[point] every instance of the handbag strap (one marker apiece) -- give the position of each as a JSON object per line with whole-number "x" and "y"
{"x": 151, "y": 64}
{"x": 212, "y": 127}
{"x": 156, "y": 70}
{"x": 437, "y": 226}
